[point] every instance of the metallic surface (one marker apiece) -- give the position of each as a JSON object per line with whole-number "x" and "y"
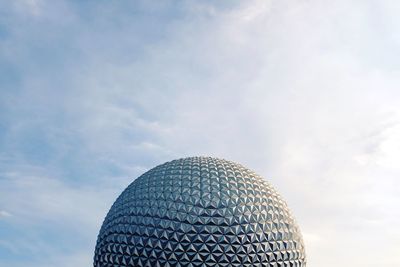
{"x": 199, "y": 212}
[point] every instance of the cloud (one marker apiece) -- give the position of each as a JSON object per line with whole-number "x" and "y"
{"x": 47, "y": 210}
{"x": 4, "y": 214}
{"x": 304, "y": 93}
{"x": 30, "y": 7}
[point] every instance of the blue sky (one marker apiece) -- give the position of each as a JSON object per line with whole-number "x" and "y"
{"x": 94, "y": 93}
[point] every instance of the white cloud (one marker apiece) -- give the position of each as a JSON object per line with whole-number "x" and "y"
{"x": 305, "y": 93}
{"x": 44, "y": 206}
{"x": 35, "y": 198}
{"x": 4, "y": 214}
{"x": 32, "y": 7}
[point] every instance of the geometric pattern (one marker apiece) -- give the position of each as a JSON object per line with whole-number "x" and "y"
{"x": 199, "y": 211}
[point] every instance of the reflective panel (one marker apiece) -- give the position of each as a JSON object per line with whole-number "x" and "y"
{"x": 199, "y": 212}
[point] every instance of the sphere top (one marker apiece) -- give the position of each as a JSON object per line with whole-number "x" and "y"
{"x": 199, "y": 211}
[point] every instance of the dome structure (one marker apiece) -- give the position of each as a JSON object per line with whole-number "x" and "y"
{"x": 199, "y": 211}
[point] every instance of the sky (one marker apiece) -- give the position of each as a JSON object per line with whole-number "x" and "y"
{"x": 94, "y": 93}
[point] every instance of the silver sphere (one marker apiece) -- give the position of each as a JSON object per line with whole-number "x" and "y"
{"x": 199, "y": 211}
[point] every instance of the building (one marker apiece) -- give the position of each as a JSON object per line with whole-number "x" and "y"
{"x": 199, "y": 211}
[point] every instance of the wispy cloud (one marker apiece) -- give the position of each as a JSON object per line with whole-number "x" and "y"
{"x": 94, "y": 94}
{"x": 4, "y": 214}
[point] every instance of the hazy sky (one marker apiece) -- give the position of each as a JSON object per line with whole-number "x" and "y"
{"x": 94, "y": 93}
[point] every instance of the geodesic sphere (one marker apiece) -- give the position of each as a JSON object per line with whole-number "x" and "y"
{"x": 199, "y": 212}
